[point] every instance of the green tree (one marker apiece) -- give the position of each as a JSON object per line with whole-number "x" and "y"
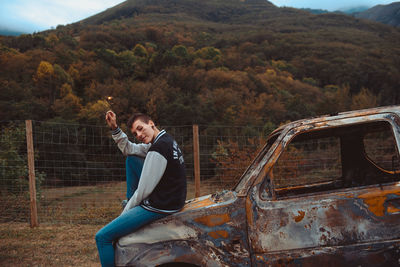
{"x": 94, "y": 112}
{"x": 180, "y": 51}
{"x": 140, "y": 51}
{"x": 13, "y": 161}
{"x": 209, "y": 52}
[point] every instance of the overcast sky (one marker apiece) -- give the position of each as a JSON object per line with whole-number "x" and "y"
{"x": 37, "y": 15}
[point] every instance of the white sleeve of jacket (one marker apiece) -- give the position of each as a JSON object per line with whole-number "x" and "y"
{"x": 153, "y": 169}
{"x": 127, "y": 147}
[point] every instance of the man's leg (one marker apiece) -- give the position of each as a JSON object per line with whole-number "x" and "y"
{"x": 134, "y": 166}
{"x": 121, "y": 226}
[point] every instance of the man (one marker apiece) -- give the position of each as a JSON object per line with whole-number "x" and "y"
{"x": 156, "y": 185}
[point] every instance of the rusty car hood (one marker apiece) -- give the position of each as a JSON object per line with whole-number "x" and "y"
{"x": 208, "y": 225}
{"x": 173, "y": 227}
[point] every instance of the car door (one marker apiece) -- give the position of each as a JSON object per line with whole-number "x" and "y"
{"x": 332, "y": 197}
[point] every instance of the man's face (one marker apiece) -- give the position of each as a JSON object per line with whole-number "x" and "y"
{"x": 144, "y": 132}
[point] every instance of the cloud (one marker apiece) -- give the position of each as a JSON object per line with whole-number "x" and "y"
{"x": 52, "y": 13}
{"x": 43, "y": 14}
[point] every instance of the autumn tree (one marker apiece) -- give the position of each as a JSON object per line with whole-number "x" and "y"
{"x": 45, "y": 82}
{"x": 364, "y": 99}
{"x": 69, "y": 105}
{"x": 232, "y": 158}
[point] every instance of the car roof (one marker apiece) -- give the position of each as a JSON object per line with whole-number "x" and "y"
{"x": 338, "y": 116}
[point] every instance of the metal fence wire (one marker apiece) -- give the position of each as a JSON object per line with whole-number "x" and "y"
{"x": 80, "y": 172}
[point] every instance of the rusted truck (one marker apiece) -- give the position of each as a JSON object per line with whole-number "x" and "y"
{"x": 322, "y": 192}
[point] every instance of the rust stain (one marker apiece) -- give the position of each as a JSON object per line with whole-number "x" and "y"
{"x": 380, "y": 193}
{"x": 219, "y": 234}
{"x": 392, "y": 209}
{"x": 375, "y": 205}
{"x": 346, "y": 195}
{"x": 198, "y": 204}
{"x": 375, "y": 200}
{"x": 299, "y": 217}
{"x": 249, "y": 212}
{"x": 335, "y": 215}
{"x": 213, "y": 220}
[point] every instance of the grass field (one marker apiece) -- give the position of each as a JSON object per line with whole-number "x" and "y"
{"x": 96, "y": 204}
{"x": 69, "y": 219}
{"x": 48, "y": 245}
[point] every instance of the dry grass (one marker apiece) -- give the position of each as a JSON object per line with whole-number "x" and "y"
{"x": 69, "y": 244}
{"x": 48, "y": 245}
{"x": 96, "y": 204}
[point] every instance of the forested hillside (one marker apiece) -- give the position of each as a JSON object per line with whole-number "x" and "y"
{"x": 387, "y": 14}
{"x": 223, "y": 62}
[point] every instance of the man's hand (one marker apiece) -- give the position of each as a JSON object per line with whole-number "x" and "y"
{"x": 111, "y": 120}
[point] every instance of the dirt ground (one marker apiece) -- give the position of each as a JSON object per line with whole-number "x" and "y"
{"x": 48, "y": 245}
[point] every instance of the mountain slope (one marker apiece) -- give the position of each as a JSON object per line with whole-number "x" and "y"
{"x": 211, "y": 10}
{"x": 387, "y": 14}
{"x": 210, "y": 61}
{"x": 347, "y": 11}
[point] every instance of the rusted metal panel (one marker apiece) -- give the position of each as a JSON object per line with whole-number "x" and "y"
{"x": 210, "y": 231}
{"x": 336, "y": 220}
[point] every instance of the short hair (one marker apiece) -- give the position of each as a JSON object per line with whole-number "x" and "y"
{"x": 138, "y": 116}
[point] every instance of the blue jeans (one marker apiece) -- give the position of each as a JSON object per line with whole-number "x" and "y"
{"x": 127, "y": 222}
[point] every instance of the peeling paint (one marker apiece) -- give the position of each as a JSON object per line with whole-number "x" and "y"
{"x": 157, "y": 232}
{"x": 376, "y": 200}
{"x": 198, "y": 203}
{"x": 213, "y": 219}
{"x": 392, "y": 209}
{"x": 249, "y": 212}
{"x": 299, "y": 217}
{"x": 375, "y": 205}
{"x": 219, "y": 234}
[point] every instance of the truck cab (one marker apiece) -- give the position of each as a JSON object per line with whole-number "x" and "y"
{"x": 323, "y": 190}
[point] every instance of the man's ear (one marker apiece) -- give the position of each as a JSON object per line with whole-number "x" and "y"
{"x": 151, "y": 123}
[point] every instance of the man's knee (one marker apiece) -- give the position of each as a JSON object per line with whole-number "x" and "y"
{"x": 100, "y": 237}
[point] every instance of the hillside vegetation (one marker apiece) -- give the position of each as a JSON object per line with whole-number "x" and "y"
{"x": 223, "y": 62}
{"x": 387, "y": 14}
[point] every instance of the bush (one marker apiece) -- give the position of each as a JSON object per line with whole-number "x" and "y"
{"x": 232, "y": 158}
{"x": 14, "y": 177}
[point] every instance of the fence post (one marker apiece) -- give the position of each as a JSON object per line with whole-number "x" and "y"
{"x": 196, "y": 160}
{"x": 31, "y": 166}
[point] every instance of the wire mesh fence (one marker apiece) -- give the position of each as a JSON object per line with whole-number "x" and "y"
{"x": 80, "y": 172}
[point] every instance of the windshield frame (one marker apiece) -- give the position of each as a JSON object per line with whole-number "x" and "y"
{"x": 258, "y": 162}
